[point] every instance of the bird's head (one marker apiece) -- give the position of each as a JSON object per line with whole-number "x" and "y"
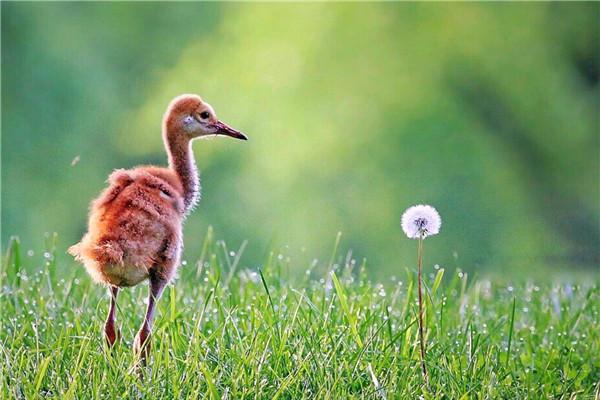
{"x": 188, "y": 115}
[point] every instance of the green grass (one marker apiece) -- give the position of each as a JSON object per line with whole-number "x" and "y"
{"x": 224, "y": 331}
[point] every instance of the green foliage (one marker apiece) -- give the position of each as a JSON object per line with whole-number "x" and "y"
{"x": 331, "y": 334}
{"x": 354, "y": 111}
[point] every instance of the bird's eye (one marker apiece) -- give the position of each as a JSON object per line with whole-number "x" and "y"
{"x": 204, "y": 114}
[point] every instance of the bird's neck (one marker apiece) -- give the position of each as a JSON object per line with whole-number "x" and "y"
{"x": 181, "y": 160}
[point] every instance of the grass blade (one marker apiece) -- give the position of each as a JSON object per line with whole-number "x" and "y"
{"x": 510, "y": 330}
{"x": 349, "y": 316}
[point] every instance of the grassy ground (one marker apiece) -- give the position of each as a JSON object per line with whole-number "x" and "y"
{"x": 227, "y": 332}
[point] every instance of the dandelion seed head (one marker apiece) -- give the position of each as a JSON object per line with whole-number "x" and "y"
{"x": 421, "y": 220}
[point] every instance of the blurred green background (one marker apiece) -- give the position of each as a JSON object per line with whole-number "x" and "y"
{"x": 489, "y": 112}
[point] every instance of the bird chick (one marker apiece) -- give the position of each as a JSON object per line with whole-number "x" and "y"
{"x": 135, "y": 225}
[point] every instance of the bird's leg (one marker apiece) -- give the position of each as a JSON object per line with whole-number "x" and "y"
{"x": 111, "y": 333}
{"x": 141, "y": 345}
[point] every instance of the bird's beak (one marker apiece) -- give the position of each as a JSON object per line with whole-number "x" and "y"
{"x": 224, "y": 129}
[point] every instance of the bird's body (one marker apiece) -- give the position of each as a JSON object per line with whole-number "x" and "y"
{"x": 135, "y": 225}
{"x": 134, "y": 228}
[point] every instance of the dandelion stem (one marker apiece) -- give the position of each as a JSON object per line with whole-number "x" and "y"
{"x": 421, "y": 335}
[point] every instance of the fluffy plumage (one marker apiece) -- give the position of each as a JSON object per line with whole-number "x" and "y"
{"x": 134, "y": 228}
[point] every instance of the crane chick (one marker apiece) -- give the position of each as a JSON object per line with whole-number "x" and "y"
{"x": 135, "y": 225}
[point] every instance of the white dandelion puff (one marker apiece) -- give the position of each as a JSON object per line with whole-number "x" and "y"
{"x": 418, "y": 222}
{"x": 421, "y": 220}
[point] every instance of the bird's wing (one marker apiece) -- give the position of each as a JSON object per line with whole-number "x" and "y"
{"x": 118, "y": 180}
